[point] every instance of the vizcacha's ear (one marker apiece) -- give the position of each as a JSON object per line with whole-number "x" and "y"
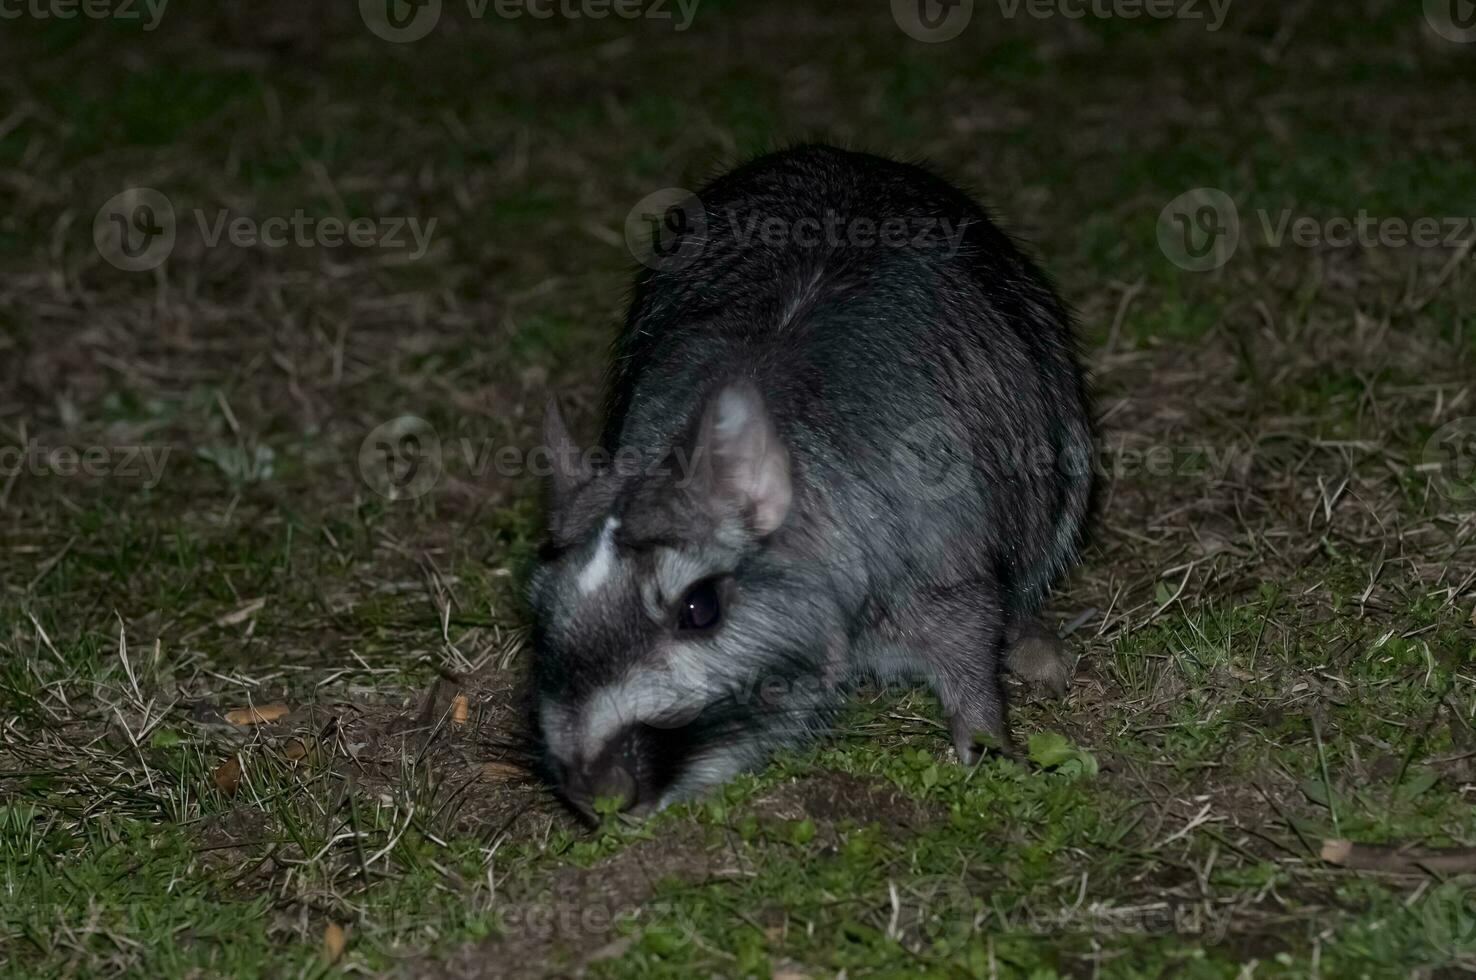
{"x": 741, "y": 458}
{"x": 570, "y": 469}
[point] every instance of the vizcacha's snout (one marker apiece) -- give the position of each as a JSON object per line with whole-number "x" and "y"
{"x": 612, "y": 774}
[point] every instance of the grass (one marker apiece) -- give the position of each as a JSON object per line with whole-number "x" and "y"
{"x": 1275, "y": 630}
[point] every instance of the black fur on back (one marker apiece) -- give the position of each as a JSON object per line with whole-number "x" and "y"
{"x": 854, "y": 344}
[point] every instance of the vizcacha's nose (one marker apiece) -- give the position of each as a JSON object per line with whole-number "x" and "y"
{"x": 614, "y": 782}
{"x": 609, "y": 775}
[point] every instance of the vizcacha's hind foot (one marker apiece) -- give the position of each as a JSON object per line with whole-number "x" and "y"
{"x": 1039, "y": 659}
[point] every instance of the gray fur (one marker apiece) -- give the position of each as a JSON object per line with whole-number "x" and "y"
{"x": 921, "y": 431}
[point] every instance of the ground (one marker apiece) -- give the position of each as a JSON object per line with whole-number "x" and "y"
{"x": 1275, "y": 620}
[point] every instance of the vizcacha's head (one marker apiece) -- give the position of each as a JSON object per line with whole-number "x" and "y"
{"x": 657, "y": 617}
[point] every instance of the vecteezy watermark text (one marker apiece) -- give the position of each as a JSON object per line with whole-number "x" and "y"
{"x": 145, "y": 463}
{"x": 137, "y": 230}
{"x": 150, "y": 12}
{"x": 679, "y": 12}
{"x": 671, "y": 228}
{"x": 550, "y": 918}
{"x": 306, "y": 231}
{"x": 1202, "y": 229}
{"x": 1365, "y": 230}
{"x": 1213, "y": 12}
{"x": 403, "y": 21}
{"x": 935, "y": 21}
{"x": 404, "y": 458}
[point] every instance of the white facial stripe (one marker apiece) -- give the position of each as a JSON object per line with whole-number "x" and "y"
{"x": 668, "y": 695}
{"x": 653, "y": 696}
{"x": 597, "y": 572}
{"x": 611, "y": 709}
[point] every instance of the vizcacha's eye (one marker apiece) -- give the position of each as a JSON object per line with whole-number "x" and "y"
{"x": 700, "y": 608}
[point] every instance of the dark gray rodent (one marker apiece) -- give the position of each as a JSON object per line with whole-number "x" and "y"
{"x": 846, "y": 437}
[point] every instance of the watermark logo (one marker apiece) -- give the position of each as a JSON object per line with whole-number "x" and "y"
{"x": 1449, "y": 911}
{"x": 400, "y": 21}
{"x": 1454, "y": 20}
{"x": 1200, "y": 229}
{"x": 134, "y": 230}
{"x": 150, "y": 12}
{"x": 1449, "y": 460}
{"x": 932, "y": 21}
{"x": 401, "y": 459}
{"x": 931, "y": 462}
{"x": 667, "y": 230}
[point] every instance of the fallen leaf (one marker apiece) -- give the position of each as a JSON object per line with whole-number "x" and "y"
{"x": 458, "y": 710}
{"x": 296, "y": 749}
{"x": 501, "y": 772}
{"x": 334, "y": 941}
{"x": 227, "y": 776}
{"x": 261, "y": 714}
{"x": 243, "y": 613}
